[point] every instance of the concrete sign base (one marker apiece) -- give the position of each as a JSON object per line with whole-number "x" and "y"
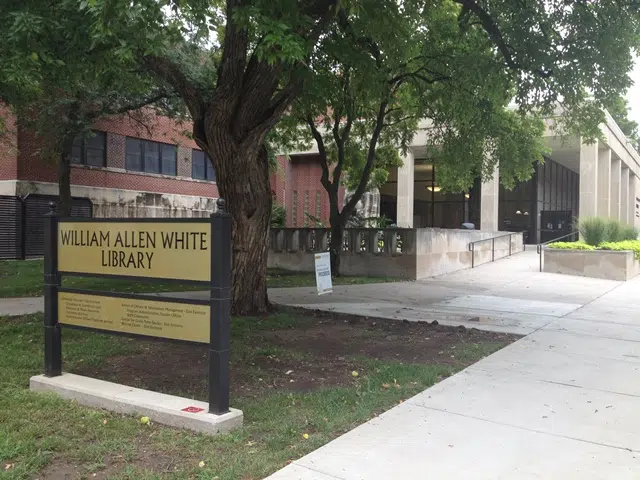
{"x": 159, "y": 407}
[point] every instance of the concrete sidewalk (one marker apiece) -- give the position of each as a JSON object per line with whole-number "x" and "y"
{"x": 510, "y": 295}
{"x": 10, "y": 307}
{"x": 562, "y": 403}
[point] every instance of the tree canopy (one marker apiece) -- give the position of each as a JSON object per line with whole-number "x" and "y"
{"x": 458, "y": 65}
{"x": 619, "y": 110}
{"x": 59, "y": 77}
{"x": 240, "y": 64}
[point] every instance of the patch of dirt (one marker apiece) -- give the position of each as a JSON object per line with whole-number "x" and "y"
{"x": 407, "y": 342}
{"x": 322, "y": 351}
{"x": 147, "y": 458}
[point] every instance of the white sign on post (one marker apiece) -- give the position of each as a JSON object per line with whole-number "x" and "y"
{"x": 323, "y": 273}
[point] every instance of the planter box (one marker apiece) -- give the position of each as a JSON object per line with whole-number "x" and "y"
{"x": 621, "y": 266}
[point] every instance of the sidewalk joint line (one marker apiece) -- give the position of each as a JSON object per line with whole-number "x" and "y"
{"x": 526, "y": 429}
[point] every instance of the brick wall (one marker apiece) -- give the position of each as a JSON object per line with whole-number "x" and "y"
{"x": 32, "y": 167}
{"x": 160, "y": 129}
{"x": 8, "y": 145}
{"x": 295, "y": 182}
{"x": 279, "y": 180}
{"x": 299, "y": 177}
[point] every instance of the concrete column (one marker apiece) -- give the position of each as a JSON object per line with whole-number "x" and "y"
{"x": 589, "y": 180}
{"x": 406, "y": 185}
{"x": 604, "y": 182}
{"x": 616, "y": 172}
{"x": 632, "y": 199}
{"x": 624, "y": 195}
{"x": 489, "y": 196}
{"x": 636, "y": 204}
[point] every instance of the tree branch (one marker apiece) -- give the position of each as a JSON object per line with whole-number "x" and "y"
{"x": 174, "y": 76}
{"x": 234, "y": 54}
{"x": 492, "y": 29}
{"x": 137, "y": 104}
{"x": 400, "y": 120}
{"x": 132, "y": 116}
{"x": 324, "y": 179}
{"x": 438, "y": 77}
{"x": 371, "y": 157}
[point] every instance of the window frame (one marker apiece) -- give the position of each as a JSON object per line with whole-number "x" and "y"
{"x": 208, "y": 167}
{"x": 142, "y": 144}
{"x": 83, "y": 150}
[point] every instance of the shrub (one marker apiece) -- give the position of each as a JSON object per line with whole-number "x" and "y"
{"x": 627, "y": 232}
{"x": 593, "y": 230}
{"x": 614, "y": 231}
{"x": 633, "y": 245}
{"x": 571, "y": 246}
{"x": 278, "y": 216}
{"x": 596, "y": 230}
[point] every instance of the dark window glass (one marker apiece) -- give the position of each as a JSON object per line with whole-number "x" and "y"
{"x": 95, "y": 149}
{"x": 151, "y": 157}
{"x": 201, "y": 166}
{"x": 169, "y": 159}
{"x": 198, "y": 168}
{"x": 76, "y": 151}
{"x": 90, "y": 151}
{"x": 134, "y": 155}
{"x": 211, "y": 172}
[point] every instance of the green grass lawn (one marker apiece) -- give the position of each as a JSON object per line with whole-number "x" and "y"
{"x": 23, "y": 278}
{"x": 286, "y": 414}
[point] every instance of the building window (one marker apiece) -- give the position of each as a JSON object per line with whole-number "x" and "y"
{"x": 151, "y": 157}
{"x": 202, "y": 167}
{"x": 90, "y": 151}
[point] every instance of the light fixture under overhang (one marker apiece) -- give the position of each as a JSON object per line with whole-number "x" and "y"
{"x": 518, "y": 212}
{"x": 434, "y": 188}
{"x": 466, "y": 195}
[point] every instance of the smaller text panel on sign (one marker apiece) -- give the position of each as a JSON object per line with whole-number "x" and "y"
{"x": 164, "y": 250}
{"x": 172, "y": 320}
{"x": 323, "y": 273}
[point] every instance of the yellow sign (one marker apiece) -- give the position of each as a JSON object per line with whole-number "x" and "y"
{"x": 176, "y": 250}
{"x": 176, "y": 321}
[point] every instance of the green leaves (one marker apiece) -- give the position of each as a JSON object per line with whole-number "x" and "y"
{"x": 459, "y": 65}
{"x": 58, "y": 58}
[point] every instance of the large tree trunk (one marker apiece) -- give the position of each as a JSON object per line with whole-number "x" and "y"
{"x": 335, "y": 246}
{"x": 243, "y": 182}
{"x": 64, "y": 179}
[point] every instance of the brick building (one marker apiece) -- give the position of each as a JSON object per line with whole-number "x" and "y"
{"x": 129, "y": 170}
{"x": 296, "y": 185}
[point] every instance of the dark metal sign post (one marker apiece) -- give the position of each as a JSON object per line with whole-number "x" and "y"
{"x": 219, "y": 299}
{"x": 220, "y": 311}
{"x": 52, "y": 332}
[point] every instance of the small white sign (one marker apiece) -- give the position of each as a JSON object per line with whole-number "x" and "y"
{"x": 323, "y": 273}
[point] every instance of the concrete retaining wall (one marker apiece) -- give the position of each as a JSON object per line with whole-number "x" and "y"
{"x": 411, "y": 254}
{"x": 621, "y": 266}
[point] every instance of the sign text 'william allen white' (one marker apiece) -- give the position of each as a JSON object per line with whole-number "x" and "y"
{"x": 156, "y": 249}
{"x": 132, "y": 240}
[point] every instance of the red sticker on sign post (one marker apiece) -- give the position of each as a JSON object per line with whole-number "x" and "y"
{"x": 193, "y": 409}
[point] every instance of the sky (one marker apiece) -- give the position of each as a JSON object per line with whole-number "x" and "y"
{"x": 633, "y": 95}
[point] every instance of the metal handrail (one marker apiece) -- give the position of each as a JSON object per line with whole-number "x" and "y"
{"x": 540, "y": 245}
{"x": 493, "y": 246}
